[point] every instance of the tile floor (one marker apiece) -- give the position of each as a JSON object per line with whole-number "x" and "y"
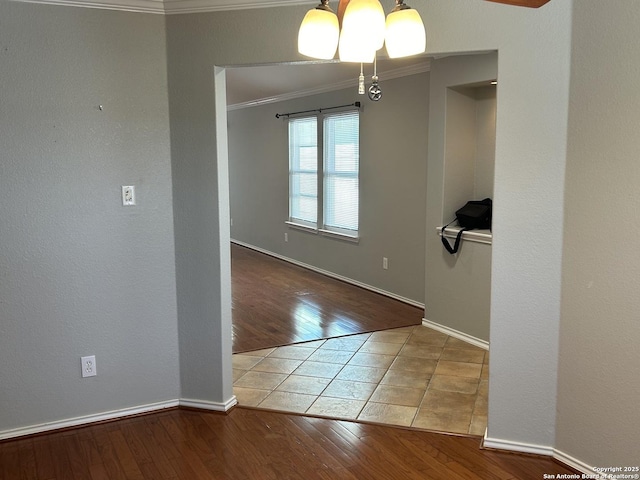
{"x": 411, "y": 376}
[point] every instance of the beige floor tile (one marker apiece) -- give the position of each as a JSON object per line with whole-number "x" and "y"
{"x": 459, "y": 369}
{"x": 380, "y": 347}
{"x": 478, "y": 425}
{"x": 260, "y": 380}
{"x": 349, "y": 389}
{"x": 468, "y": 355}
{"x": 384, "y": 379}
{"x": 390, "y": 336}
{"x": 331, "y": 356}
{"x": 414, "y": 364}
{"x": 361, "y": 374}
{"x": 388, "y": 414}
{"x": 300, "y": 384}
{"x": 288, "y": 401}
{"x": 311, "y": 344}
{"x": 347, "y": 344}
{"x": 457, "y": 343}
{"x": 292, "y": 352}
{"x": 260, "y": 353}
{"x": 249, "y": 397}
{"x": 427, "y": 340}
{"x": 404, "y": 378}
{"x": 483, "y": 388}
{"x": 237, "y": 373}
{"x": 277, "y": 365}
{"x": 318, "y": 369}
{"x": 450, "y": 383}
{"x": 448, "y": 402}
{"x": 482, "y": 399}
{"x": 336, "y": 407}
{"x": 429, "y": 352}
{"x": 423, "y": 331}
{"x": 245, "y": 362}
{"x": 410, "y": 397}
{"x": 371, "y": 360}
{"x": 442, "y": 422}
{"x": 408, "y": 328}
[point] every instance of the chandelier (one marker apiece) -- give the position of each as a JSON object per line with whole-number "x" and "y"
{"x": 359, "y": 31}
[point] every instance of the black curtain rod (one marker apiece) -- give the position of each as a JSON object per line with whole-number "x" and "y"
{"x": 319, "y": 110}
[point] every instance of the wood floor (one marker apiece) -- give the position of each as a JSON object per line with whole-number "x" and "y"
{"x": 251, "y": 444}
{"x": 276, "y": 303}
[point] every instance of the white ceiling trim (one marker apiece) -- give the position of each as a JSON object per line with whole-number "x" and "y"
{"x": 172, "y": 7}
{"x": 386, "y": 75}
{"x": 140, "y": 6}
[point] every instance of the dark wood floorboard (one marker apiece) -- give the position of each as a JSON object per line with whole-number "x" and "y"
{"x": 276, "y": 303}
{"x": 250, "y": 444}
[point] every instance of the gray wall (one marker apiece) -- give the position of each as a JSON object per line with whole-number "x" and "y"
{"x": 460, "y": 168}
{"x": 62, "y": 295}
{"x": 529, "y": 167}
{"x": 79, "y": 273}
{"x": 599, "y": 381}
{"x": 393, "y": 145}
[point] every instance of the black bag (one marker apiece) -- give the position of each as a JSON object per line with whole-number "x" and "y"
{"x": 475, "y": 214}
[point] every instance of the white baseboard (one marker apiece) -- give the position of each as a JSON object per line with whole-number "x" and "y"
{"x": 207, "y": 405}
{"x": 574, "y": 463}
{"x": 115, "y": 414}
{"x": 478, "y": 342}
{"x": 332, "y": 274}
{"x": 86, "y": 419}
{"x": 520, "y": 447}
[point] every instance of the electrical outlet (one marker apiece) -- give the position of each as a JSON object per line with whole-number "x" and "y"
{"x": 286, "y": 237}
{"x": 128, "y": 195}
{"x": 385, "y": 263}
{"x": 88, "y": 366}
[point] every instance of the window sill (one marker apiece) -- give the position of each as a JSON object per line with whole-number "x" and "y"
{"x": 477, "y": 236}
{"x": 323, "y": 232}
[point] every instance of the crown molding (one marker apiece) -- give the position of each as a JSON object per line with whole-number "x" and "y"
{"x": 140, "y": 6}
{"x": 171, "y": 7}
{"x": 353, "y": 82}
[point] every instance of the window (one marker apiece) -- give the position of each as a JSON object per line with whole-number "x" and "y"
{"x": 335, "y": 211}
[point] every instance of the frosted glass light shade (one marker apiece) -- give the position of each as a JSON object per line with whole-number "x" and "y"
{"x": 354, "y": 48}
{"x": 318, "y": 34}
{"x": 363, "y": 28}
{"x": 404, "y": 33}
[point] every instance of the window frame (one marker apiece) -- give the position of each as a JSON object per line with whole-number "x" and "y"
{"x": 320, "y": 226}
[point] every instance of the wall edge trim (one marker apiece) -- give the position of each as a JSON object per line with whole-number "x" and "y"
{"x": 465, "y": 337}
{"x": 351, "y": 281}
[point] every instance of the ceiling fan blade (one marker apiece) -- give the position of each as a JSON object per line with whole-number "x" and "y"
{"x": 522, "y": 3}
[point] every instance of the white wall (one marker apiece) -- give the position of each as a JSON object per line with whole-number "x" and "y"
{"x": 79, "y": 273}
{"x": 393, "y": 160}
{"x": 599, "y": 380}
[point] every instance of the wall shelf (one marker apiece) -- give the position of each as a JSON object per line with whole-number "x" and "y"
{"x": 477, "y": 236}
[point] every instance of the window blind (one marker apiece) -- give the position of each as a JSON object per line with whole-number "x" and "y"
{"x": 303, "y": 170}
{"x": 341, "y": 166}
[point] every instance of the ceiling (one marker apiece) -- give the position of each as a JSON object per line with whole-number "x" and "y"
{"x": 259, "y": 84}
